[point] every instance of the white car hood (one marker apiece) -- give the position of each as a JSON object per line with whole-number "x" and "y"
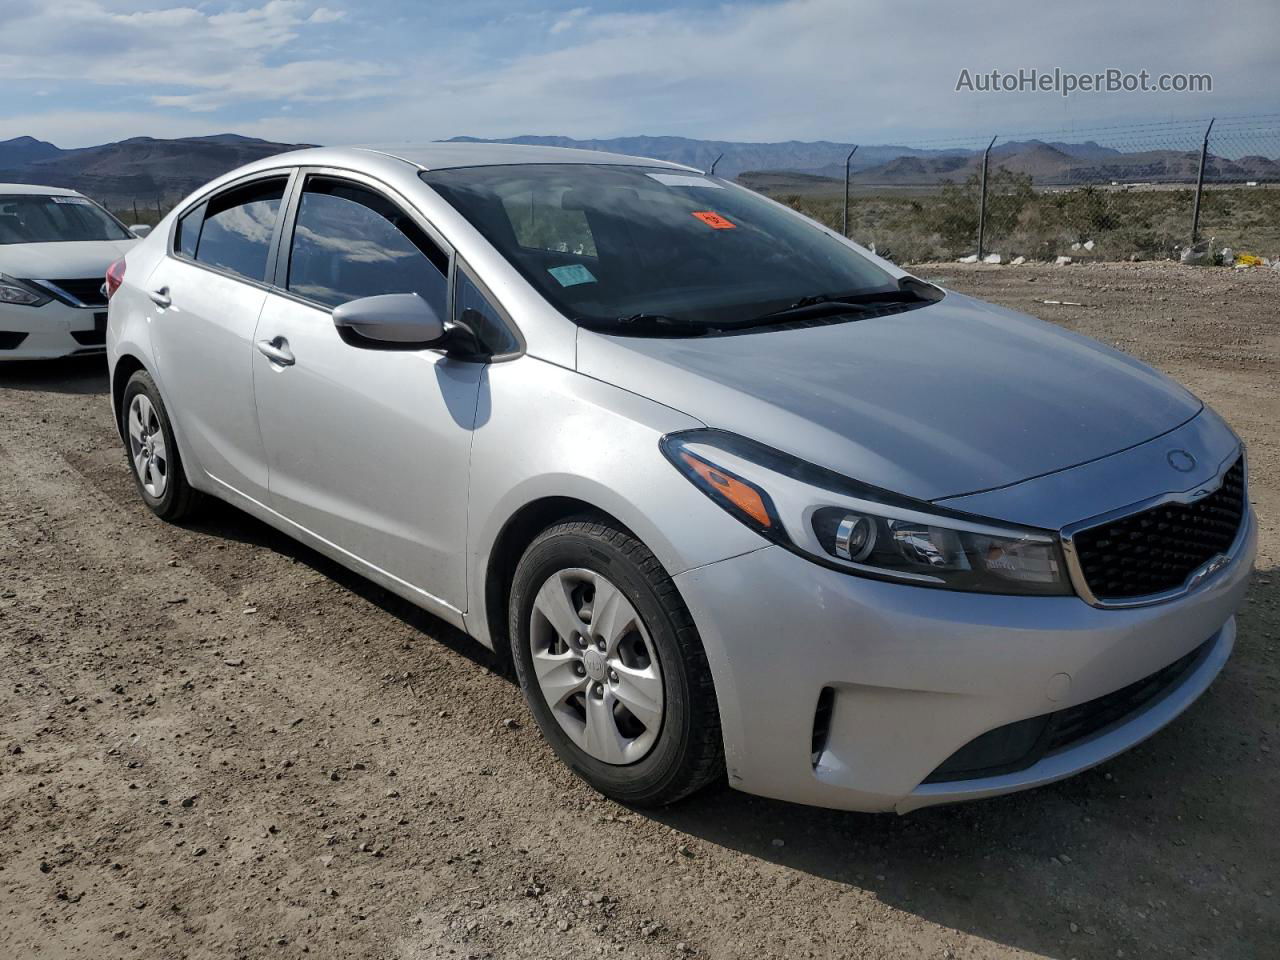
{"x": 61, "y": 261}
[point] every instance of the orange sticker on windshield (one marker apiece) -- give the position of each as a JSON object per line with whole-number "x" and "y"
{"x": 714, "y": 220}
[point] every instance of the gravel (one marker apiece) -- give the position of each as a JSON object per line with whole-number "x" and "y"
{"x": 1172, "y": 846}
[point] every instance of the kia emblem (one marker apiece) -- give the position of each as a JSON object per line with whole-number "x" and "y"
{"x": 1181, "y": 461}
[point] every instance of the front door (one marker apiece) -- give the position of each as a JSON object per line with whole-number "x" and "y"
{"x": 367, "y": 448}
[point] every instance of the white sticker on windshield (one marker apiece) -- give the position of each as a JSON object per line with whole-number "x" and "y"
{"x": 684, "y": 180}
{"x": 571, "y": 274}
{"x": 80, "y": 200}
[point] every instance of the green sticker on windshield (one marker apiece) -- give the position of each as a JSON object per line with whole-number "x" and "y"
{"x": 571, "y": 274}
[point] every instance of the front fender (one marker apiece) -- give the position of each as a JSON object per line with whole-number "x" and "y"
{"x": 544, "y": 431}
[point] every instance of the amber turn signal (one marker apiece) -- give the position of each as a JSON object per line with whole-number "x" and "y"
{"x": 737, "y": 492}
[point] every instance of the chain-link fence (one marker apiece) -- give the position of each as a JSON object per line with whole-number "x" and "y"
{"x": 1143, "y": 191}
{"x": 134, "y": 210}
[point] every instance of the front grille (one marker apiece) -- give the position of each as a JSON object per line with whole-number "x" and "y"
{"x": 1156, "y": 550}
{"x": 95, "y": 337}
{"x": 1019, "y": 745}
{"x": 9, "y": 340}
{"x": 88, "y": 290}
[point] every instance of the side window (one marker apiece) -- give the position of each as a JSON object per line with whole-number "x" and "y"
{"x": 350, "y": 242}
{"x": 237, "y": 229}
{"x": 472, "y": 307}
{"x": 188, "y": 233}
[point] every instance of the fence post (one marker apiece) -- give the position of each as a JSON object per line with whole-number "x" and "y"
{"x": 1195, "y": 211}
{"x": 982, "y": 201}
{"x": 844, "y": 225}
{"x": 159, "y": 215}
{"x": 135, "y": 209}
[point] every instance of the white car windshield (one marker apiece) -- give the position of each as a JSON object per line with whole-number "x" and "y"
{"x": 36, "y": 218}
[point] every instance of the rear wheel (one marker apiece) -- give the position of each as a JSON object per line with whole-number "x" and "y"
{"x": 612, "y": 666}
{"x": 153, "y": 451}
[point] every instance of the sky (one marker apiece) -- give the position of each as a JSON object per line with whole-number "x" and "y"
{"x": 81, "y": 72}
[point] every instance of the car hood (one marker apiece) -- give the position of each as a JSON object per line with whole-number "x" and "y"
{"x": 952, "y": 398}
{"x": 61, "y": 261}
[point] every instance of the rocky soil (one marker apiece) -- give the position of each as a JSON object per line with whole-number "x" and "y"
{"x": 214, "y": 743}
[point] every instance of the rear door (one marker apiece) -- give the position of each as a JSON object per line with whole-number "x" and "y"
{"x": 208, "y": 294}
{"x": 368, "y": 447}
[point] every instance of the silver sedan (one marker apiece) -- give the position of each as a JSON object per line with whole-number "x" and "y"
{"x": 737, "y": 498}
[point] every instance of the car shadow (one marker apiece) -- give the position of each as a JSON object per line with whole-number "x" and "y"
{"x": 85, "y": 375}
{"x": 224, "y": 521}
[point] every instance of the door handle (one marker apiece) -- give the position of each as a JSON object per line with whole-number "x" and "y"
{"x": 160, "y": 297}
{"x": 277, "y": 351}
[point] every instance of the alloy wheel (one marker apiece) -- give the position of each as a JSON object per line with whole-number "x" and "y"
{"x": 147, "y": 448}
{"x": 596, "y": 666}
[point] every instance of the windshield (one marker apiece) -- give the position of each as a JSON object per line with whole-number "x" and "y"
{"x": 609, "y": 245}
{"x": 32, "y": 218}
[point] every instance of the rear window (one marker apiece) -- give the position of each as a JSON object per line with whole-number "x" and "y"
{"x": 56, "y": 218}
{"x": 238, "y": 227}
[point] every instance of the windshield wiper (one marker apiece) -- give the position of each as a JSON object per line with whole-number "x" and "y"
{"x": 647, "y": 325}
{"x": 910, "y": 291}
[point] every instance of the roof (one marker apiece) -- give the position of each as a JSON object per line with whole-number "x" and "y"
{"x": 443, "y": 155}
{"x": 33, "y": 188}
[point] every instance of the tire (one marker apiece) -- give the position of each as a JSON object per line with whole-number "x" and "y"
{"x": 152, "y": 451}
{"x": 657, "y": 757}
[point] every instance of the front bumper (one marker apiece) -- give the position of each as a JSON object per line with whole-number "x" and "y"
{"x": 918, "y": 673}
{"x": 53, "y": 330}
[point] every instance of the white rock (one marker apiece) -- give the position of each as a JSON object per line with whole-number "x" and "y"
{"x": 1018, "y": 261}
{"x": 1089, "y": 244}
{"x": 993, "y": 258}
{"x": 1075, "y": 246}
{"x": 971, "y": 258}
{"x": 1197, "y": 254}
{"x": 1063, "y": 261}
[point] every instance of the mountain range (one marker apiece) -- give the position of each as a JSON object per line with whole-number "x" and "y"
{"x": 150, "y": 172}
{"x": 1047, "y": 162}
{"x": 141, "y": 168}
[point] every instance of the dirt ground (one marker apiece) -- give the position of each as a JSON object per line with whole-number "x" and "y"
{"x": 216, "y": 743}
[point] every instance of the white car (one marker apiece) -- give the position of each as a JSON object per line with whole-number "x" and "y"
{"x": 55, "y": 247}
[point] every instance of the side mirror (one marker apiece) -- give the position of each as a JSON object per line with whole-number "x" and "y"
{"x": 140, "y": 230}
{"x": 399, "y": 319}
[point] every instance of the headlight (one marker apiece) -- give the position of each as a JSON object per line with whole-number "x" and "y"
{"x": 863, "y": 530}
{"x": 15, "y": 292}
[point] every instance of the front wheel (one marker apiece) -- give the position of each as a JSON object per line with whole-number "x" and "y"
{"x": 612, "y": 666}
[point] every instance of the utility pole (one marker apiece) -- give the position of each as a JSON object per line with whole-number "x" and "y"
{"x": 844, "y": 227}
{"x": 982, "y": 201}
{"x": 1204, "y": 156}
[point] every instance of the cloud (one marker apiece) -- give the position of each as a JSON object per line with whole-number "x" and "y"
{"x": 184, "y": 57}
{"x": 568, "y": 19}
{"x": 873, "y": 71}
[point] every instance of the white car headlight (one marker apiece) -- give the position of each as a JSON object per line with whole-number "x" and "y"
{"x": 16, "y": 293}
{"x": 863, "y": 530}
